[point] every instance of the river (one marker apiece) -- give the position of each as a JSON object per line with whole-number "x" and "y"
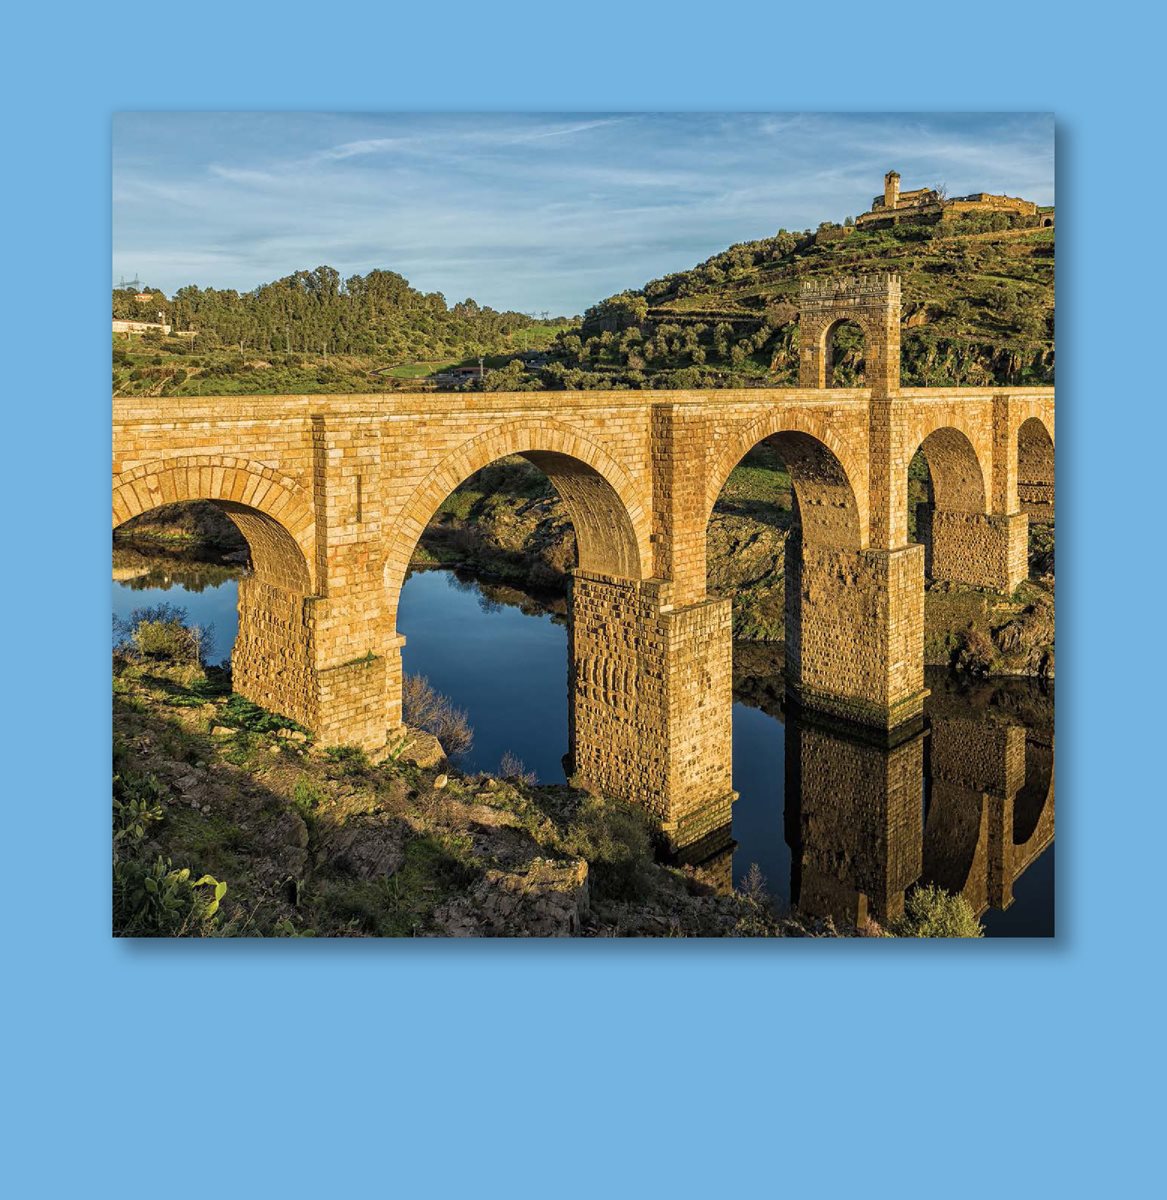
{"x": 832, "y": 821}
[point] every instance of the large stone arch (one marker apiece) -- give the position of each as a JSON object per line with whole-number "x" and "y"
{"x": 272, "y": 511}
{"x": 870, "y": 301}
{"x": 272, "y": 661}
{"x": 612, "y": 522}
{"x": 822, "y": 471}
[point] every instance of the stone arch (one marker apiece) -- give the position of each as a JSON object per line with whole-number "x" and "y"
{"x": 821, "y": 473}
{"x": 958, "y": 476}
{"x": 612, "y": 525}
{"x": 870, "y": 301}
{"x": 272, "y": 661}
{"x": 270, "y": 510}
{"x": 1035, "y": 468}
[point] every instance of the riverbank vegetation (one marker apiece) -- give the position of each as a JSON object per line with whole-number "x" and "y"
{"x": 231, "y": 821}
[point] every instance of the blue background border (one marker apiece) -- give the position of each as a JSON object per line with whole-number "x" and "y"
{"x": 255, "y": 1068}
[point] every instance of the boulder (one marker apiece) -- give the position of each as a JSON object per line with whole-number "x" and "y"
{"x": 546, "y": 898}
{"x": 422, "y": 749}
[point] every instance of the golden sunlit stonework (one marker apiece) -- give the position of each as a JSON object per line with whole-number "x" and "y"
{"x": 333, "y": 493}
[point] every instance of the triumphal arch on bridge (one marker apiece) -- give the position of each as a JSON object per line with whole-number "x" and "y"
{"x": 333, "y": 493}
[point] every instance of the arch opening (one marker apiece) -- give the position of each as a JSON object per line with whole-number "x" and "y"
{"x": 786, "y": 512}
{"x": 516, "y": 527}
{"x": 944, "y": 477}
{"x": 1035, "y": 470}
{"x": 271, "y": 653}
{"x": 1030, "y": 805}
{"x": 844, "y": 354}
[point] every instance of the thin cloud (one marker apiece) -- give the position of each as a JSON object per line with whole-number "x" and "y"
{"x": 523, "y": 211}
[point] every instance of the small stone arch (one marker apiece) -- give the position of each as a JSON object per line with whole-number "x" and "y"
{"x": 958, "y": 476}
{"x": 1035, "y": 469}
{"x": 612, "y": 524}
{"x": 821, "y": 472}
{"x": 872, "y": 302}
{"x": 270, "y": 510}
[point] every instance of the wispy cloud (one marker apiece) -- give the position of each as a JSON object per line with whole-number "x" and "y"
{"x": 530, "y": 211}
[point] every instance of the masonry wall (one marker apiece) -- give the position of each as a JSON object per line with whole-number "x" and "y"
{"x": 979, "y": 549}
{"x": 272, "y": 662}
{"x": 854, "y": 631}
{"x": 651, "y": 701}
{"x": 854, "y": 823}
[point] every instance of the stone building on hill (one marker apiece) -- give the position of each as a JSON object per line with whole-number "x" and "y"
{"x": 929, "y": 206}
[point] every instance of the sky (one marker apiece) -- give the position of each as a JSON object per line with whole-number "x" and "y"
{"x": 533, "y": 212}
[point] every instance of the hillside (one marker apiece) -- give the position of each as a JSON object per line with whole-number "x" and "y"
{"x": 978, "y": 309}
{"x": 310, "y": 332}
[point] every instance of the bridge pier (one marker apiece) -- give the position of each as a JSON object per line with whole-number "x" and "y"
{"x": 977, "y": 769}
{"x": 855, "y": 632}
{"x": 979, "y": 549}
{"x": 651, "y": 692}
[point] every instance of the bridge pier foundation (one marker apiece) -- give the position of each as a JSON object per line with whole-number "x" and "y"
{"x": 290, "y": 658}
{"x": 855, "y": 632}
{"x": 651, "y": 695}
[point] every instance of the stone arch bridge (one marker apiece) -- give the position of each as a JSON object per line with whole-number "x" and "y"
{"x": 333, "y": 493}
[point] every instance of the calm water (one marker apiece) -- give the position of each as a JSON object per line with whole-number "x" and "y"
{"x": 966, "y": 803}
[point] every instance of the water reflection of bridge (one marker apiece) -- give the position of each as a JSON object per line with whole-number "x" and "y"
{"x": 965, "y": 800}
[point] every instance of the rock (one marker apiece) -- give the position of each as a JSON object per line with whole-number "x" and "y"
{"x": 291, "y": 735}
{"x": 422, "y": 749}
{"x": 273, "y": 749}
{"x": 222, "y": 731}
{"x": 367, "y": 847}
{"x": 547, "y": 898}
{"x": 441, "y": 782}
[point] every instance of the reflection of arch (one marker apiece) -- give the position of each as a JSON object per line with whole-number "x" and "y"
{"x": 828, "y": 349}
{"x": 958, "y": 479}
{"x": 821, "y": 479}
{"x": 612, "y": 528}
{"x": 1032, "y": 799}
{"x": 270, "y": 510}
{"x": 1035, "y": 468}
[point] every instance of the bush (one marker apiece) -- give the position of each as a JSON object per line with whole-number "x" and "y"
{"x": 351, "y": 760}
{"x": 932, "y": 912}
{"x": 975, "y": 653}
{"x": 510, "y": 766}
{"x": 161, "y": 632}
{"x": 427, "y": 709}
{"x": 616, "y": 839}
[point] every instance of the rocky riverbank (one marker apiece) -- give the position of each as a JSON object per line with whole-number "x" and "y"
{"x": 210, "y": 790}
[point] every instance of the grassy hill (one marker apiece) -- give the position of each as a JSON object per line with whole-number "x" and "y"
{"x": 978, "y": 310}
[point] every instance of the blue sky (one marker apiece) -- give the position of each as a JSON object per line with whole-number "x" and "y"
{"x": 535, "y": 212}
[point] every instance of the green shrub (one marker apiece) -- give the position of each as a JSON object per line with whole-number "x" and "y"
{"x": 930, "y": 911}
{"x": 307, "y": 796}
{"x": 160, "y": 632}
